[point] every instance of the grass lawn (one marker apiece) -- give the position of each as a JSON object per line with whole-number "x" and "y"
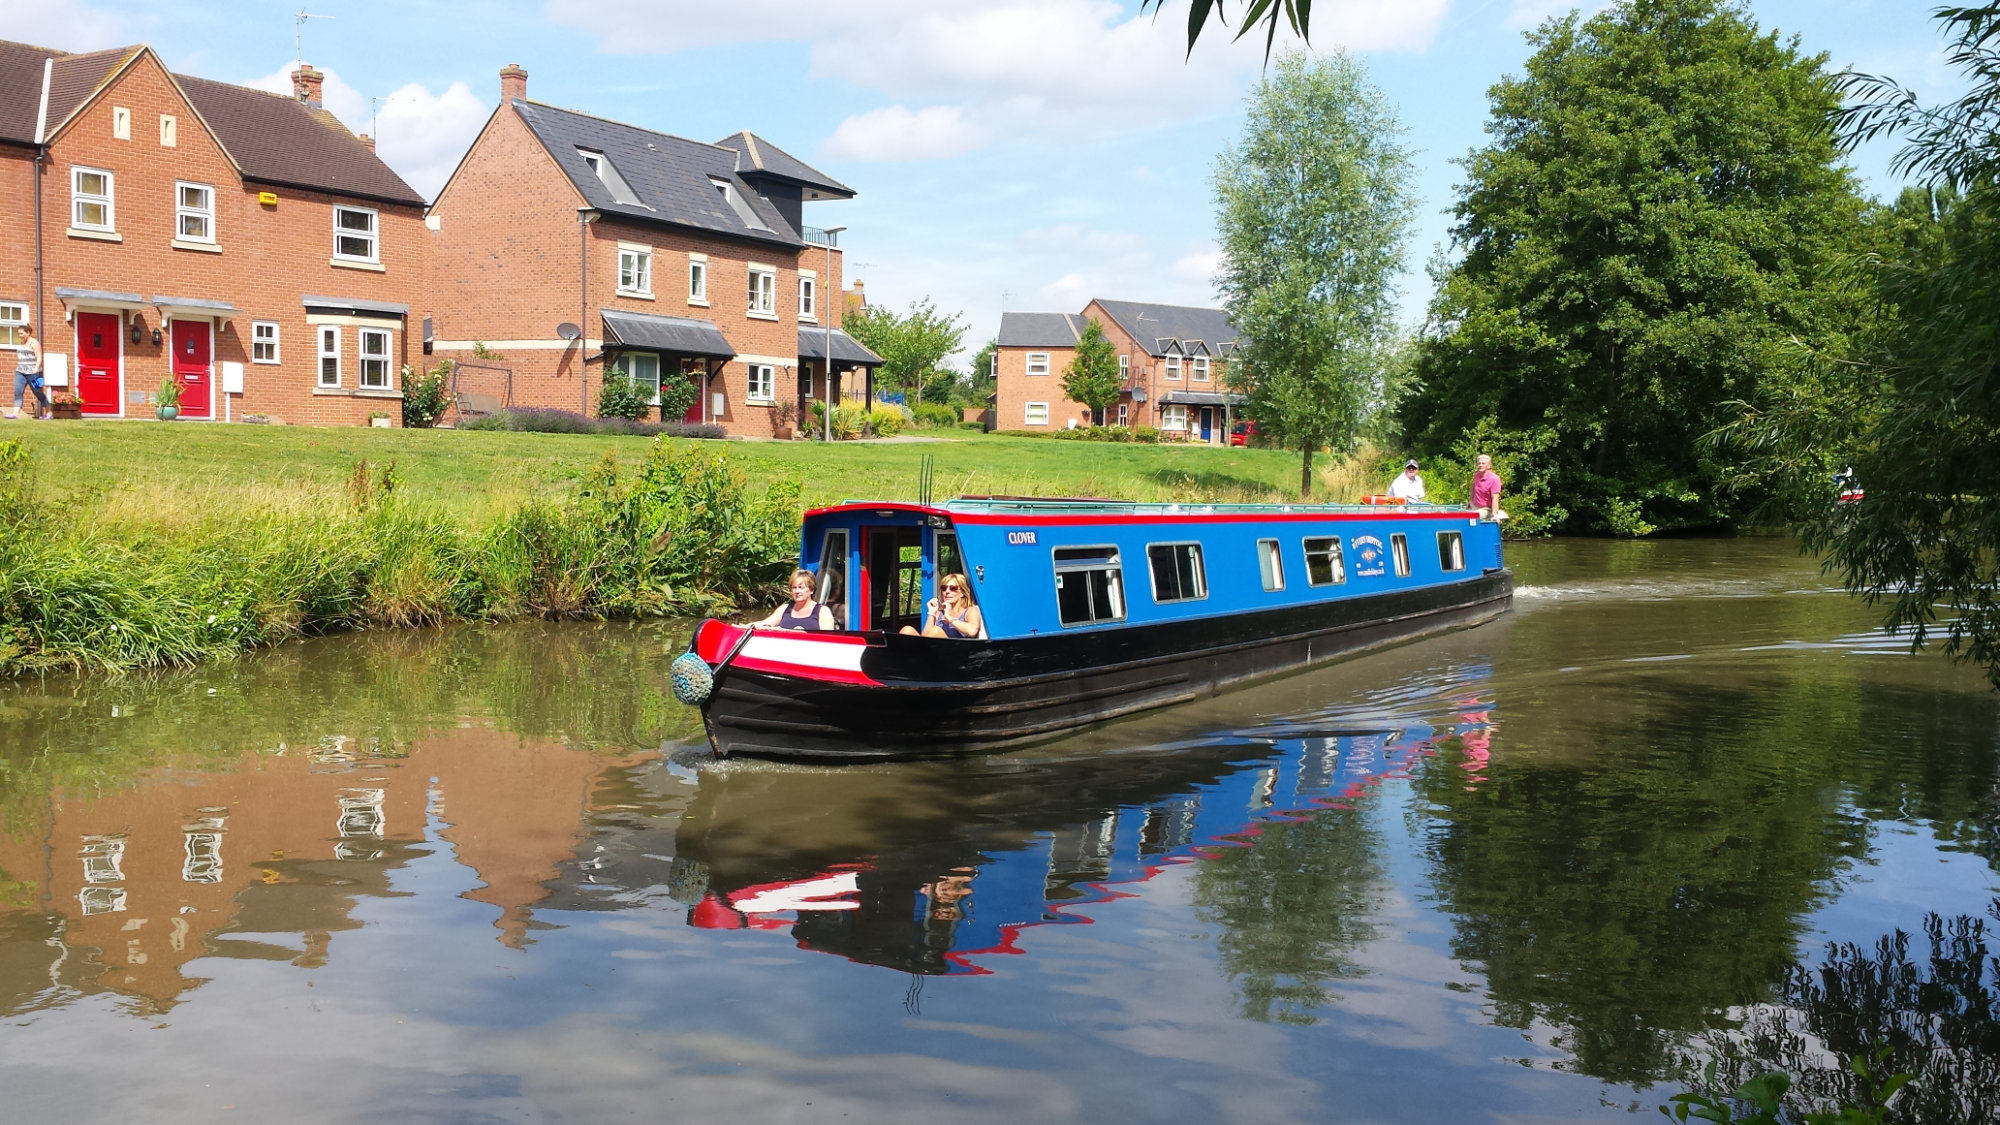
{"x": 481, "y": 474}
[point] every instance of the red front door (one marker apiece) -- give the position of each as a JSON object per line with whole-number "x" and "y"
{"x": 97, "y": 376}
{"x": 191, "y": 367}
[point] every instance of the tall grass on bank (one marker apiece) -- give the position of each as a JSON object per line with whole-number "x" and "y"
{"x": 684, "y": 535}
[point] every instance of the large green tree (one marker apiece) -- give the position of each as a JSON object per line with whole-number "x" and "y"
{"x": 1313, "y": 209}
{"x": 913, "y": 346}
{"x": 1092, "y": 378}
{"x": 1659, "y": 221}
{"x": 1919, "y": 415}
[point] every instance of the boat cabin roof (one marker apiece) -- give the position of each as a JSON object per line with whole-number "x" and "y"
{"x": 1017, "y": 507}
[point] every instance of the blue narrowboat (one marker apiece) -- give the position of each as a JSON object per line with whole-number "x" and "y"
{"x": 1093, "y": 609}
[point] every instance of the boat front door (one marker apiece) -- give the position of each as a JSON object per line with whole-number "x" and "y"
{"x": 192, "y": 346}
{"x": 895, "y": 577}
{"x": 98, "y": 381}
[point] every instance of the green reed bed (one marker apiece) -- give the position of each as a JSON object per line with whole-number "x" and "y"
{"x": 90, "y": 582}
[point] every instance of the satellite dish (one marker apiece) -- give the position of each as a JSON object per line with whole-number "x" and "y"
{"x": 568, "y": 331}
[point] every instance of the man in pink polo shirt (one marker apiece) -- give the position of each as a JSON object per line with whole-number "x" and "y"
{"x": 1486, "y": 490}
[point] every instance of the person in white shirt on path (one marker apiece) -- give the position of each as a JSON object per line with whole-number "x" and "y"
{"x": 1408, "y": 485}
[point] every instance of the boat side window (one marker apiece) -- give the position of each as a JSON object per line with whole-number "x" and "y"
{"x": 1178, "y": 575}
{"x": 950, "y": 561}
{"x": 1090, "y": 585}
{"x": 833, "y": 575}
{"x": 1270, "y": 564}
{"x": 1451, "y": 550}
{"x": 1399, "y": 549}
{"x": 1324, "y": 564}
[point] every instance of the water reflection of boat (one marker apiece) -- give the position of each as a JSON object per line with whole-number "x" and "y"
{"x": 1092, "y": 610}
{"x": 936, "y": 867}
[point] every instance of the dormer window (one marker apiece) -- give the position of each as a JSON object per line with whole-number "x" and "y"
{"x": 607, "y": 174}
{"x": 737, "y": 204}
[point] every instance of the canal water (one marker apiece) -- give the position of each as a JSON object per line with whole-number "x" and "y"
{"x": 1541, "y": 870}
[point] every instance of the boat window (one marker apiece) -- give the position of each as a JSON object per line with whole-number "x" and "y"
{"x": 1178, "y": 575}
{"x": 1270, "y": 564}
{"x": 1451, "y": 550}
{"x": 1090, "y": 586}
{"x": 833, "y": 575}
{"x": 1324, "y": 565}
{"x": 1399, "y": 549}
{"x": 950, "y": 561}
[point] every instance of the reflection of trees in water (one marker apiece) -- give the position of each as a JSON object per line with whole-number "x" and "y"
{"x": 1631, "y": 872}
{"x": 1293, "y": 901}
{"x": 1939, "y": 1020}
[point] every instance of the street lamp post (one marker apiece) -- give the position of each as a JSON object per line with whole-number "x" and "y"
{"x": 832, "y": 234}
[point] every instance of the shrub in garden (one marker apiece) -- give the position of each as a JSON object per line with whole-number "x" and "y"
{"x": 933, "y": 415}
{"x": 622, "y": 398}
{"x": 887, "y": 421}
{"x": 426, "y": 395}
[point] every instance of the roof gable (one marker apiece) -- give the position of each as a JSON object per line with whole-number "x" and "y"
{"x": 75, "y": 80}
{"x": 21, "y": 67}
{"x": 671, "y": 179}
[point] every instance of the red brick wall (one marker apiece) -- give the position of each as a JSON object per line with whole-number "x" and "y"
{"x": 1015, "y": 388}
{"x": 269, "y": 257}
{"x": 505, "y": 272}
{"x": 17, "y": 234}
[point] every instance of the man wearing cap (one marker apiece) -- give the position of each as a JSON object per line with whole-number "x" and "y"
{"x": 1408, "y": 485}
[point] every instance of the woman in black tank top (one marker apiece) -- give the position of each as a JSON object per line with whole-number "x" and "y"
{"x": 802, "y": 613}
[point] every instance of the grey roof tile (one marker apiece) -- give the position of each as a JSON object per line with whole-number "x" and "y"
{"x": 277, "y": 139}
{"x": 1156, "y": 326}
{"x": 671, "y": 177}
{"x": 757, "y": 156}
{"x": 21, "y": 89}
{"x": 1039, "y": 330}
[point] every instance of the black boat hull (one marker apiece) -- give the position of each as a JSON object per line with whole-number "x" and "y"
{"x": 941, "y": 697}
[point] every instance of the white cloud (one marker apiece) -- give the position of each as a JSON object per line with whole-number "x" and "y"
{"x": 1198, "y": 267}
{"x": 66, "y": 26}
{"x": 998, "y": 69}
{"x": 895, "y": 133}
{"x": 419, "y": 134}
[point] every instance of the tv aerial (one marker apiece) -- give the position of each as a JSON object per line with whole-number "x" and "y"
{"x": 299, "y": 19}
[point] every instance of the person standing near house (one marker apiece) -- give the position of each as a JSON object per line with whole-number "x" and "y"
{"x": 28, "y": 373}
{"x": 1409, "y": 484}
{"x": 1486, "y": 490}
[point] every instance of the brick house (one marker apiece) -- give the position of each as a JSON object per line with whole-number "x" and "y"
{"x": 666, "y": 254}
{"x": 243, "y": 244}
{"x": 1170, "y": 359}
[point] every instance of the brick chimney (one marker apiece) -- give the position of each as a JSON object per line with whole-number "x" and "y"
{"x": 367, "y": 140}
{"x": 513, "y": 83}
{"x": 306, "y": 83}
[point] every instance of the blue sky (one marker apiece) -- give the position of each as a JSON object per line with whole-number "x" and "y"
{"x": 1008, "y": 154}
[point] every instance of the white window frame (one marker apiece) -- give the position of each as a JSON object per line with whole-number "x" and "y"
{"x": 261, "y": 339}
{"x": 1198, "y": 575}
{"x": 1173, "y": 416}
{"x": 763, "y": 292}
{"x": 764, "y": 376}
{"x": 1121, "y": 414}
{"x": 329, "y": 349}
{"x": 808, "y": 291}
{"x": 78, "y": 198}
{"x": 183, "y": 212}
{"x": 635, "y": 270}
{"x": 382, "y": 376}
{"x": 1035, "y": 360}
{"x": 1029, "y": 412}
{"x": 1399, "y": 554}
{"x": 1334, "y": 555}
{"x": 1124, "y": 369}
{"x": 628, "y": 365}
{"x": 1172, "y": 367}
{"x": 373, "y": 235}
{"x": 13, "y": 323}
{"x": 1451, "y": 551}
{"x": 698, "y": 279}
{"x": 1271, "y": 565}
{"x": 1198, "y": 368}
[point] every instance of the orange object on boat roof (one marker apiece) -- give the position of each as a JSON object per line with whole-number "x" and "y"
{"x": 1384, "y": 500}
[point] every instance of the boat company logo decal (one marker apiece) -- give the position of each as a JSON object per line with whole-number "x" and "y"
{"x": 1370, "y": 560}
{"x": 1020, "y": 539}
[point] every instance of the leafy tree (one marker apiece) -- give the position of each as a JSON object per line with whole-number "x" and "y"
{"x": 1092, "y": 378}
{"x": 912, "y": 346}
{"x": 979, "y": 380}
{"x": 1925, "y": 440}
{"x": 1658, "y": 223}
{"x": 1313, "y": 208}
{"x": 1297, "y": 13}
